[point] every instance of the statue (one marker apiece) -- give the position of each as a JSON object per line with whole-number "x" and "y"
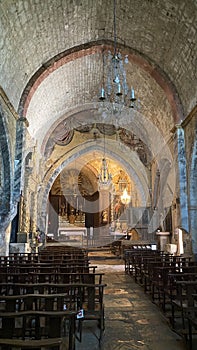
{"x": 104, "y": 216}
{"x": 62, "y": 209}
{"x": 117, "y": 209}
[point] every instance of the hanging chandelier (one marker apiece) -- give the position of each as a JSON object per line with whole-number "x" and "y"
{"x": 104, "y": 177}
{"x": 114, "y": 88}
{"x": 125, "y": 198}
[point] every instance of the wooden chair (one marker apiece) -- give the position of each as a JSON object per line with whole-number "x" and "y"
{"x": 37, "y": 329}
{"x": 170, "y": 288}
{"x": 91, "y": 306}
{"x": 72, "y": 297}
{"x": 191, "y": 316}
{"x": 183, "y": 302}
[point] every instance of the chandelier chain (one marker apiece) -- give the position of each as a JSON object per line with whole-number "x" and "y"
{"x": 115, "y": 36}
{"x": 114, "y": 88}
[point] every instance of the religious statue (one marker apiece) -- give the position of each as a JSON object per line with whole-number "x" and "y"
{"x": 104, "y": 216}
{"x": 72, "y": 216}
{"x": 117, "y": 209}
{"x": 62, "y": 209}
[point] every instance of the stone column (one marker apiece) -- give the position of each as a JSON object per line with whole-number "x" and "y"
{"x": 193, "y": 197}
{"x": 193, "y": 227}
{"x": 182, "y": 175}
{"x": 112, "y": 207}
{"x": 5, "y": 239}
{"x": 33, "y": 216}
{"x": 20, "y": 136}
{"x": 22, "y": 235}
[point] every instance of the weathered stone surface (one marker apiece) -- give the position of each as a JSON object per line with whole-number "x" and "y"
{"x": 19, "y": 248}
{"x": 190, "y": 128}
{"x": 182, "y": 173}
{"x": 51, "y": 69}
{"x": 34, "y": 32}
{"x": 8, "y": 119}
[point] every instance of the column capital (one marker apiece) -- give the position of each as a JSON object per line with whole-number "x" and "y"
{"x": 23, "y": 120}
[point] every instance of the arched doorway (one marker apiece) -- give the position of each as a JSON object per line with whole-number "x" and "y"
{"x": 76, "y": 202}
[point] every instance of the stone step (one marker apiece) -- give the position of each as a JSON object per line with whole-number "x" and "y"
{"x": 101, "y": 254}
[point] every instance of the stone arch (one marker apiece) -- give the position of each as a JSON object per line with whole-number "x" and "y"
{"x": 138, "y": 124}
{"x": 79, "y": 151}
{"x": 90, "y": 48}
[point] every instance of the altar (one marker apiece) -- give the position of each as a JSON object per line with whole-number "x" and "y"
{"x": 72, "y": 234}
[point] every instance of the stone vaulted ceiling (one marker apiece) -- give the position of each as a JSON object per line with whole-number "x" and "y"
{"x": 51, "y": 63}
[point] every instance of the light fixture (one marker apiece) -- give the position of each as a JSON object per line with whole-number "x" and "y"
{"x": 114, "y": 88}
{"x": 104, "y": 177}
{"x": 125, "y": 198}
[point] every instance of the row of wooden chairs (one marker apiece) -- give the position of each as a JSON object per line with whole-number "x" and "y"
{"x": 48, "y": 254}
{"x": 41, "y": 268}
{"x": 171, "y": 282}
{"x": 64, "y": 259}
{"x": 51, "y": 277}
{"x": 79, "y": 297}
{"x": 48, "y": 294}
{"x": 76, "y": 297}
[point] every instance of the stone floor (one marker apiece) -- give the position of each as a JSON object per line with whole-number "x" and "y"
{"x": 132, "y": 321}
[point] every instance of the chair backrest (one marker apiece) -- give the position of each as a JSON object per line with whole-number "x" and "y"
{"x": 39, "y": 325}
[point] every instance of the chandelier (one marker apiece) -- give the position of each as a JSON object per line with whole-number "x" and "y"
{"x": 114, "y": 88}
{"x": 125, "y": 198}
{"x": 104, "y": 177}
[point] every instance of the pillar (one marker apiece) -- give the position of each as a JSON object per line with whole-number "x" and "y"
{"x": 22, "y": 235}
{"x": 182, "y": 176}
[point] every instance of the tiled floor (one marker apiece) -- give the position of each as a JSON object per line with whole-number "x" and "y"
{"x": 132, "y": 321}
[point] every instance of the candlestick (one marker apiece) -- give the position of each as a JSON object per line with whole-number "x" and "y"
{"x": 132, "y": 94}
{"x": 77, "y": 203}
